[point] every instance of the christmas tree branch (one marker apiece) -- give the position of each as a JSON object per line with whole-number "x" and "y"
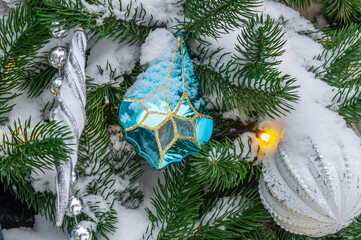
{"x": 260, "y": 43}
{"x": 249, "y": 81}
{"x": 341, "y": 69}
{"x": 133, "y": 27}
{"x": 25, "y": 152}
{"x": 253, "y": 102}
{"x": 351, "y": 113}
{"x": 216, "y": 159}
{"x": 299, "y": 3}
{"x": 231, "y": 217}
{"x": 343, "y": 11}
{"x": 176, "y": 204}
{"x": 183, "y": 210}
{"x": 39, "y": 148}
{"x": 21, "y": 37}
{"x": 213, "y": 18}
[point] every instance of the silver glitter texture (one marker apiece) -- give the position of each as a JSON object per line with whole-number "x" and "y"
{"x": 76, "y": 91}
{"x": 78, "y": 72}
{"x": 72, "y": 99}
{"x": 81, "y": 44}
{"x": 69, "y": 115}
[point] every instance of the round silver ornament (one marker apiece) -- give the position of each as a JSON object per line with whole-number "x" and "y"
{"x": 57, "y": 57}
{"x": 74, "y": 178}
{"x": 53, "y": 112}
{"x": 56, "y": 83}
{"x": 80, "y": 233}
{"x": 74, "y": 206}
{"x": 312, "y": 189}
{"x": 58, "y": 31}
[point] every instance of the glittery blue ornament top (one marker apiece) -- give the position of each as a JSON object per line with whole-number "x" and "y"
{"x": 164, "y": 115}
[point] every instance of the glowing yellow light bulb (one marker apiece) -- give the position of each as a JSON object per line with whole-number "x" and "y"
{"x": 265, "y": 137}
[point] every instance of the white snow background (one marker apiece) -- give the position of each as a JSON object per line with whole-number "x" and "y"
{"x": 311, "y": 117}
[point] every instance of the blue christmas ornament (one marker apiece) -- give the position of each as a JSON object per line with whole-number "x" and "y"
{"x": 163, "y": 114}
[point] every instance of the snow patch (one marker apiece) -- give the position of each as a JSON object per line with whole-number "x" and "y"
{"x": 159, "y": 45}
{"x": 121, "y": 57}
{"x": 43, "y": 230}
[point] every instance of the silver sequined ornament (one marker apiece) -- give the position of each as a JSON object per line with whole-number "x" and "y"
{"x": 72, "y": 100}
{"x": 80, "y": 233}
{"x": 58, "y": 31}
{"x": 56, "y": 83}
{"x": 74, "y": 206}
{"x": 57, "y": 57}
{"x": 74, "y": 178}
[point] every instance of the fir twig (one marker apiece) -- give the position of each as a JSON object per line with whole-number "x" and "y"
{"x": 219, "y": 167}
{"x": 133, "y": 28}
{"x": 213, "y": 18}
{"x": 26, "y": 150}
{"x": 343, "y": 11}
{"x": 299, "y": 3}
{"x": 341, "y": 69}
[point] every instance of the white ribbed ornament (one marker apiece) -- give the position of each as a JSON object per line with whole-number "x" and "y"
{"x": 309, "y": 194}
